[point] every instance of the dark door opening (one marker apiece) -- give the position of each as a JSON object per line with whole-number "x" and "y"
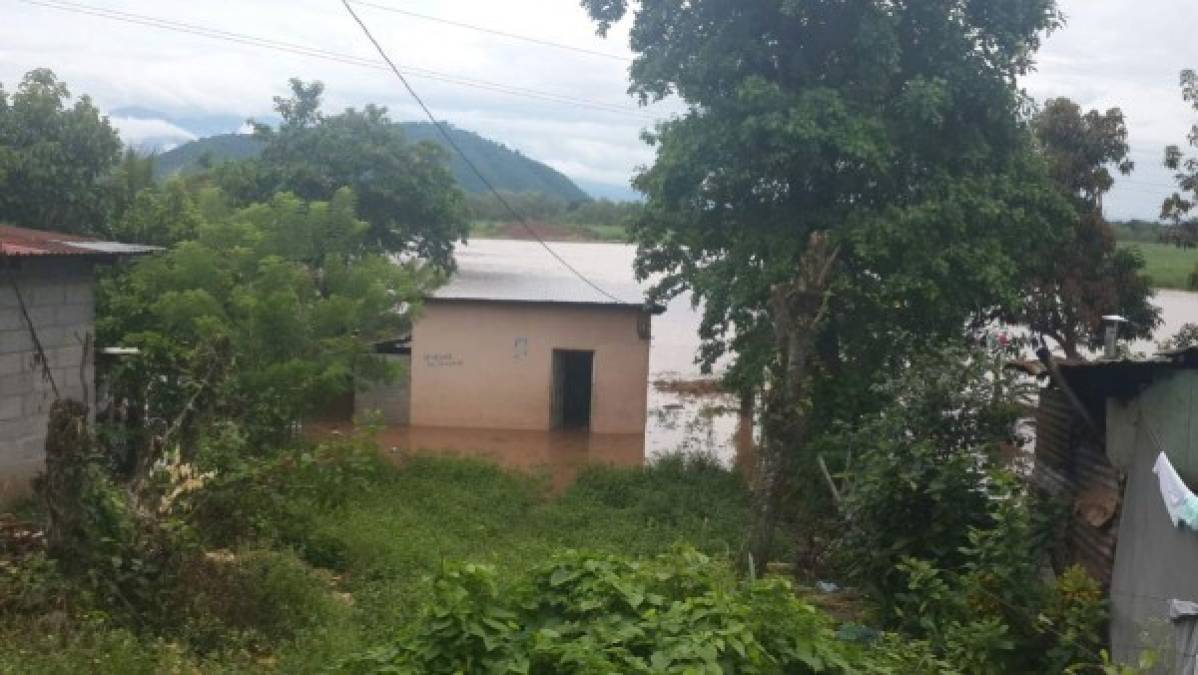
{"x": 573, "y": 373}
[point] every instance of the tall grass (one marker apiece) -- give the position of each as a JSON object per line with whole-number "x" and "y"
{"x": 1167, "y": 266}
{"x": 360, "y": 569}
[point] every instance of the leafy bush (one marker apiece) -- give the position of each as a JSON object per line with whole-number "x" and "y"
{"x": 585, "y": 613}
{"x": 948, "y": 540}
{"x": 1186, "y": 336}
{"x": 645, "y": 508}
{"x": 95, "y": 647}
{"x": 264, "y": 314}
{"x": 255, "y": 599}
{"x": 922, "y": 479}
{"x": 277, "y": 496}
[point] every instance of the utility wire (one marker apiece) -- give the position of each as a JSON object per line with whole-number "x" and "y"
{"x": 313, "y": 52}
{"x": 492, "y": 31}
{"x": 470, "y": 163}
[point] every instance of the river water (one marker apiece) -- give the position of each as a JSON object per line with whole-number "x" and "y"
{"x": 701, "y": 422}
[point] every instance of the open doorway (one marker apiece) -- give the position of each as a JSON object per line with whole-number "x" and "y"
{"x": 573, "y": 374}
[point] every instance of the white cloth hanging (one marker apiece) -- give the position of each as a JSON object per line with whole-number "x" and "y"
{"x": 1180, "y": 502}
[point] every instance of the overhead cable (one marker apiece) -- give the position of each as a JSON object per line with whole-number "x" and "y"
{"x": 348, "y": 59}
{"x": 470, "y": 163}
{"x": 483, "y": 29}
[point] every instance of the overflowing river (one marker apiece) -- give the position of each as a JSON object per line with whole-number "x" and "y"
{"x": 684, "y": 414}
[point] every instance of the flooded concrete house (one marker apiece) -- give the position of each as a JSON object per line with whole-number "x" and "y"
{"x": 1117, "y": 441}
{"x": 47, "y": 313}
{"x": 515, "y": 341}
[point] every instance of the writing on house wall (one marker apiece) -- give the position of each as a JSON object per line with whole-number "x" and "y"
{"x": 444, "y": 360}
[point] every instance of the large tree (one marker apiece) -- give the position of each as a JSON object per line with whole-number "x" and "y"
{"x": 1178, "y": 206}
{"x": 405, "y": 191}
{"x": 1084, "y": 275}
{"x": 851, "y": 180}
{"x": 256, "y": 315}
{"x": 54, "y": 157}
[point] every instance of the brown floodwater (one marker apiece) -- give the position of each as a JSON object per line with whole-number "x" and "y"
{"x": 709, "y": 424}
{"x": 705, "y": 423}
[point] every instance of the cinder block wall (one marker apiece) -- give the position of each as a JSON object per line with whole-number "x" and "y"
{"x": 58, "y": 293}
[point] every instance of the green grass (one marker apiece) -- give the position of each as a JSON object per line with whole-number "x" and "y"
{"x": 384, "y": 544}
{"x": 552, "y": 231}
{"x": 1167, "y": 266}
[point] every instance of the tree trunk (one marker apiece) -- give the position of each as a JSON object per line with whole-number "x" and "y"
{"x": 62, "y": 486}
{"x": 798, "y": 309}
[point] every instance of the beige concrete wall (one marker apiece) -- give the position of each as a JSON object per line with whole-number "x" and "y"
{"x": 489, "y": 365}
{"x": 58, "y": 295}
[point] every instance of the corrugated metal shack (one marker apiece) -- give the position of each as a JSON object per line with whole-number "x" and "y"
{"x": 1071, "y": 465}
{"x": 1100, "y": 428}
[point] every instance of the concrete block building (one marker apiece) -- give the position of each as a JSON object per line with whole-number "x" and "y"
{"x": 47, "y": 314}
{"x": 515, "y": 341}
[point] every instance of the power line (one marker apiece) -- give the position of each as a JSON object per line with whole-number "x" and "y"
{"x": 313, "y": 52}
{"x": 453, "y": 144}
{"x": 483, "y": 29}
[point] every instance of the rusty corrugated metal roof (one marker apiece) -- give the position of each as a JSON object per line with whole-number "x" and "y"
{"x": 19, "y": 242}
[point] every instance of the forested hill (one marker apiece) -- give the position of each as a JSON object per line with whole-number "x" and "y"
{"x": 507, "y": 169}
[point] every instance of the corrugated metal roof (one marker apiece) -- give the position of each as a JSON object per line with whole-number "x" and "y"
{"x": 22, "y": 242}
{"x": 523, "y": 271}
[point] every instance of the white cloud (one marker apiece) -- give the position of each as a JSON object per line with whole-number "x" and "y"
{"x": 122, "y": 64}
{"x": 1113, "y": 53}
{"x": 136, "y": 132}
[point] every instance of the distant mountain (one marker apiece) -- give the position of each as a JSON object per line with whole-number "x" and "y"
{"x": 187, "y": 158}
{"x": 509, "y": 170}
{"x": 200, "y": 125}
{"x": 616, "y": 193}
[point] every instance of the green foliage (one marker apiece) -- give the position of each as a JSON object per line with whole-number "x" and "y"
{"x": 405, "y": 193}
{"x": 894, "y": 127}
{"x": 1143, "y": 231}
{"x": 112, "y": 553}
{"x": 950, "y": 543}
{"x": 923, "y": 466}
{"x": 508, "y": 170}
{"x": 1084, "y": 275}
{"x": 205, "y": 153}
{"x": 54, "y": 157}
{"x": 94, "y": 647}
{"x": 162, "y": 215}
{"x": 260, "y": 314}
{"x": 277, "y": 496}
{"x": 1166, "y": 265}
{"x": 679, "y": 493}
{"x": 1186, "y": 336}
{"x": 586, "y": 613}
{"x": 134, "y": 174}
{"x": 1178, "y": 206}
{"x": 540, "y": 207}
{"x": 981, "y": 624}
{"x": 255, "y": 600}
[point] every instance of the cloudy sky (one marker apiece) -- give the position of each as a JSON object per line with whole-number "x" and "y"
{"x": 1113, "y": 53}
